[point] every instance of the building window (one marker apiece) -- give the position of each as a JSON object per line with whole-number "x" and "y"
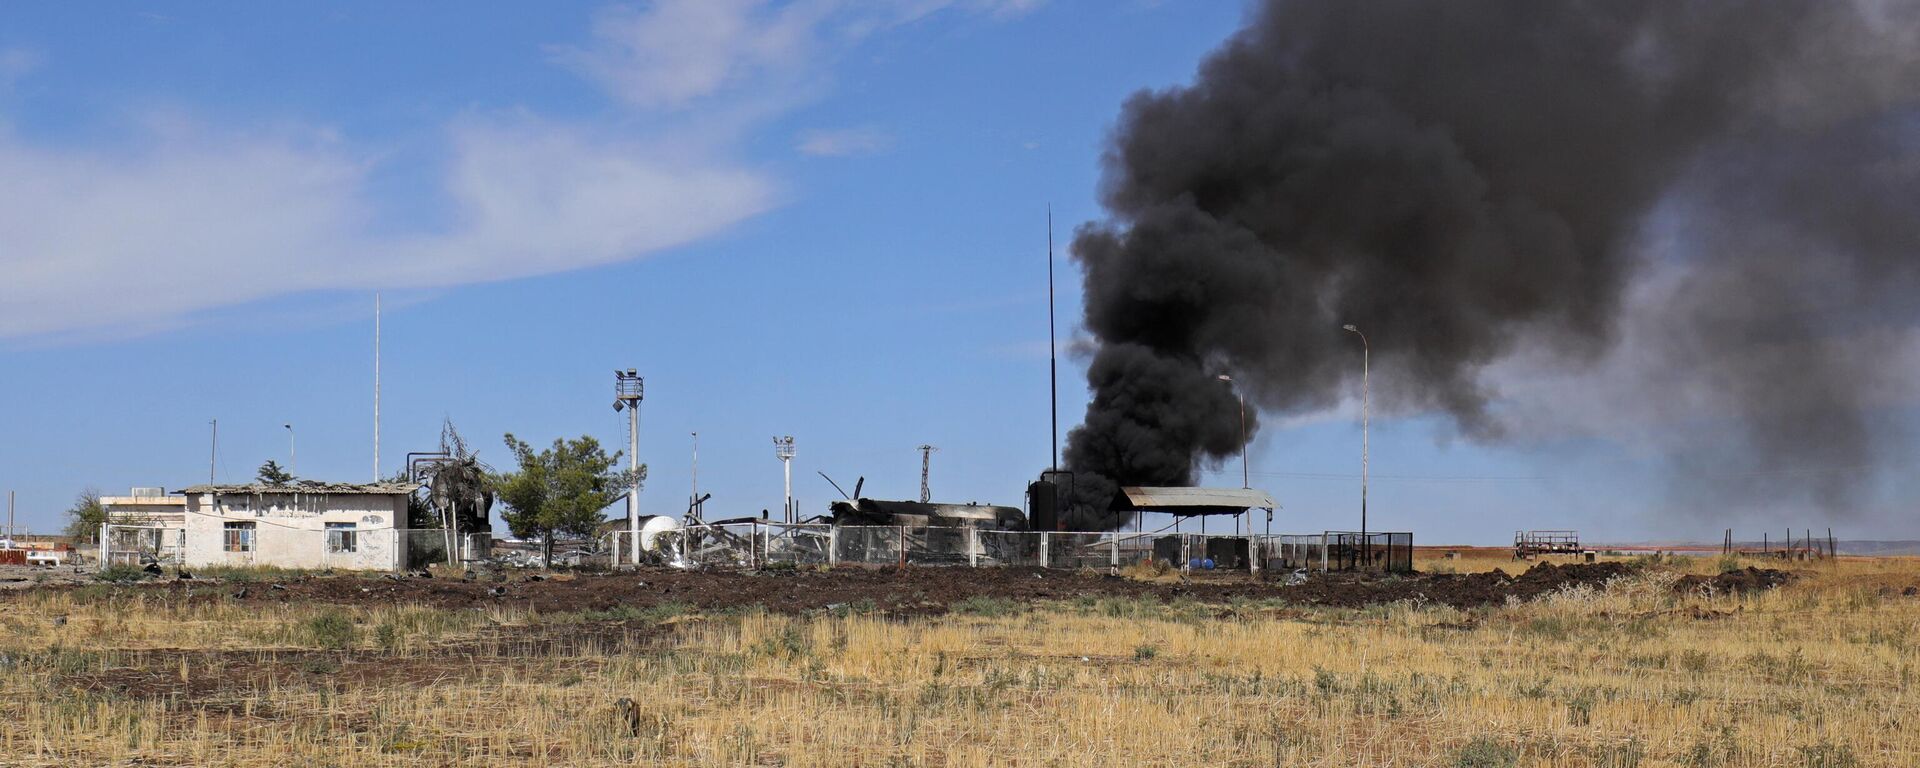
{"x": 239, "y": 537}
{"x": 342, "y": 538}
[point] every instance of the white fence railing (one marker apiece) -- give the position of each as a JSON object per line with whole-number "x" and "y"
{"x": 761, "y": 544}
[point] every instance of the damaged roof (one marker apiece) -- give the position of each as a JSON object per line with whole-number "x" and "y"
{"x": 305, "y": 486}
{"x": 1197, "y": 501}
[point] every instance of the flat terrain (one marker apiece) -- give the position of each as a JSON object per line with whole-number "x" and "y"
{"x": 1615, "y": 664}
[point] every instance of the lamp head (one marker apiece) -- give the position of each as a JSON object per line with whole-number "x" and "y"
{"x": 1225, "y": 378}
{"x": 1349, "y": 326}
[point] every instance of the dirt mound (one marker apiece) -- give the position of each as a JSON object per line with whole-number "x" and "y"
{"x": 908, "y": 591}
{"x": 1743, "y": 581}
{"x": 1464, "y": 590}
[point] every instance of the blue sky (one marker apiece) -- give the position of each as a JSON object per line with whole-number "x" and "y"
{"x": 824, "y": 219}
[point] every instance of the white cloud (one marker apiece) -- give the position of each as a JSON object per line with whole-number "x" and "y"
{"x": 672, "y": 54}
{"x": 676, "y": 52}
{"x": 109, "y": 240}
{"x": 198, "y": 218}
{"x": 845, "y": 142}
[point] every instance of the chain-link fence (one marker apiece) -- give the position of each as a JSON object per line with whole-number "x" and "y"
{"x": 1388, "y": 552}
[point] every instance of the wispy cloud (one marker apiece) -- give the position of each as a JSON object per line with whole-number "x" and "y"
{"x": 845, "y": 142}
{"x": 141, "y": 236}
{"x": 200, "y": 218}
{"x": 674, "y": 54}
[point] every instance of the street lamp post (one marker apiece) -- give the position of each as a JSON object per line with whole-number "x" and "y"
{"x": 1365, "y": 395}
{"x": 293, "y": 456}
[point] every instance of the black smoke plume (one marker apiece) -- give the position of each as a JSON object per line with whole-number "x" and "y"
{"x": 1459, "y": 179}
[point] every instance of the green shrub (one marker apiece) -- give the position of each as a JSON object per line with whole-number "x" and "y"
{"x": 1484, "y": 752}
{"x": 330, "y": 629}
{"x": 980, "y": 605}
{"x": 387, "y": 636}
{"x": 1145, "y": 652}
{"x": 121, "y": 574}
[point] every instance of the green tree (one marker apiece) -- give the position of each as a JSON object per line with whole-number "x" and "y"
{"x": 85, "y": 517}
{"x": 270, "y": 473}
{"x": 560, "y": 489}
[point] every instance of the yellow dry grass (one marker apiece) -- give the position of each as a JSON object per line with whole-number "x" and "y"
{"x": 1816, "y": 675}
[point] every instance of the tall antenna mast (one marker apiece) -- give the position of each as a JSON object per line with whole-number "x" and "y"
{"x": 376, "y": 386}
{"x": 1053, "y": 352}
{"x": 926, "y": 462}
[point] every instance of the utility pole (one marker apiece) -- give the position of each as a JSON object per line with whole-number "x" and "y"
{"x": 628, "y": 390}
{"x": 783, "y": 450}
{"x": 213, "y": 450}
{"x": 293, "y": 456}
{"x": 1053, "y": 352}
{"x": 376, "y": 387}
{"x": 926, "y": 463}
{"x": 693, "y": 502}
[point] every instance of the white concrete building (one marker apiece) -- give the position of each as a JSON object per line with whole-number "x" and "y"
{"x": 305, "y": 524}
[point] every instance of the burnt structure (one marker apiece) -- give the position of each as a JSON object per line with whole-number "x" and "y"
{"x": 864, "y": 511}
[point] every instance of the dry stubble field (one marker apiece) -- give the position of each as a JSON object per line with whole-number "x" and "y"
{"x": 1818, "y": 673}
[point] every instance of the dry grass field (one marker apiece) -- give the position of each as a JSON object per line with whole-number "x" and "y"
{"x": 1817, "y": 674}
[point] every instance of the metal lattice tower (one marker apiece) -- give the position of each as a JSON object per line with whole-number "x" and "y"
{"x": 926, "y": 462}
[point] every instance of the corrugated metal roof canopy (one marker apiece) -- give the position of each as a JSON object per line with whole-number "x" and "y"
{"x": 1197, "y": 501}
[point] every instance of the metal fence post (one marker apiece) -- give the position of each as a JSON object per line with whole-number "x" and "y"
{"x": 1113, "y": 557}
{"x": 900, "y": 531}
{"x": 973, "y": 546}
{"x": 1186, "y": 553}
{"x": 1043, "y": 549}
{"x": 1253, "y": 554}
{"x": 833, "y": 545}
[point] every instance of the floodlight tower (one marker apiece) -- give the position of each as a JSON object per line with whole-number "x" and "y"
{"x": 783, "y": 450}
{"x": 628, "y": 390}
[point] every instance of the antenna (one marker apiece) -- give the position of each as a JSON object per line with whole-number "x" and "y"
{"x": 376, "y": 386}
{"x": 926, "y": 462}
{"x": 1053, "y": 352}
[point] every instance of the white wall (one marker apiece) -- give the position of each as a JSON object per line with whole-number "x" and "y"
{"x": 289, "y": 529}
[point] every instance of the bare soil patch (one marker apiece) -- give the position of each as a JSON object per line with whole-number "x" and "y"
{"x": 899, "y": 591}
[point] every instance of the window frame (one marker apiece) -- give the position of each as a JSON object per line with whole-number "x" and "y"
{"x": 343, "y": 538}
{"x": 238, "y": 536}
